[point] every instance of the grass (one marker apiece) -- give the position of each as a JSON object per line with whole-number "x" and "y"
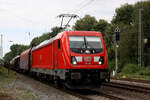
{"x": 133, "y": 71}
{"x": 28, "y": 95}
{"x": 136, "y": 76}
{"x": 18, "y": 92}
{"x": 5, "y": 77}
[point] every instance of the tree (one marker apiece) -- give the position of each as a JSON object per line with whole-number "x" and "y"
{"x": 16, "y": 49}
{"x": 128, "y": 44}
{"x": 85, "y": 24}
{"x": 127, "y": 18}
{"x": 101, "y": 26}
{"x": 145, "y": 14}
{"x": 55, "y": 31}
{"x": 37, "y": 40}
{"x": 8, "y": 56}
{"x": 123, "y": 14}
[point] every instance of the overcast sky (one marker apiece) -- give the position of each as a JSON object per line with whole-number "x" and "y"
{"x": 19, "y": 17}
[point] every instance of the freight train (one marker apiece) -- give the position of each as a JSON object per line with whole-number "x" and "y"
{"x": 77, "y": 59}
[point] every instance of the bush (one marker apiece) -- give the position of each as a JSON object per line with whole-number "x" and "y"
{"x": 130, "y": 69}
{"x": 111, "y": 66}
{"x": 145, "y": 71}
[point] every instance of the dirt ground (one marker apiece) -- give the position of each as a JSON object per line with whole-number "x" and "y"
{"x": 5, "y": 97}
{"x": 21, "y": 87}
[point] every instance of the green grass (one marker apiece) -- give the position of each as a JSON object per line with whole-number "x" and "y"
{"x": 136, "y": 76}
{"x": 22, "y": 93}
{"x": 5, "y": 77}
{"x": 133, "y": 71}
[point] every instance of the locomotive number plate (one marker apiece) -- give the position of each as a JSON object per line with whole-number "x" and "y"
{"x": 87, "y": 60}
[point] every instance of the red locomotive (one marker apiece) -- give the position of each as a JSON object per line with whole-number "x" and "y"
{"x": 76, "y": 58}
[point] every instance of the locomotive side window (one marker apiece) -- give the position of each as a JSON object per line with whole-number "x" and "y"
{"x": 58, "y": 44}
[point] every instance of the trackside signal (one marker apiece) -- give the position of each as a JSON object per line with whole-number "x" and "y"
{"x": 117, "y": 31}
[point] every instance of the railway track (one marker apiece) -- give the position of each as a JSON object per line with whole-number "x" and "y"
{"x": 132, "y": 80}
{"x": 98, "y": 96}
{"x": 81, "y": 94}
{"x": 97, "y": 93}
{"x": 128, "y": 87}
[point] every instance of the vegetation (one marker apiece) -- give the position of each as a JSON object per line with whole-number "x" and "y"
{"x": 16, "y": 49}
{"x": 132, "y": 71}
{"x": 37, "y": 40}
{"x": 8, "y": 86}
{"x": 127, "y": 19}
{"x": 4, "y": 76}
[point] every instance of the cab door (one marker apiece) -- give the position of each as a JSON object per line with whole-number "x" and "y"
{"x": 55, "y": 54}
{"x": 59, "y": 55}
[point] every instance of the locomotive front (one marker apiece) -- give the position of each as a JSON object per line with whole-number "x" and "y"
{"x": 88, "y": 59}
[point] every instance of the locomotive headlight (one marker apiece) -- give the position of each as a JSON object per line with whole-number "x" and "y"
{"x": 100, "y": 62}
{"x": 99, "y": 59}
{"x": 73, "y": 60}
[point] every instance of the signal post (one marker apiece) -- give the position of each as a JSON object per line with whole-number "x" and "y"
{"x": 117, "y": 31}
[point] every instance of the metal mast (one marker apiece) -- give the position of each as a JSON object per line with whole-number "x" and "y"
{"x": 1, "y": 47}
{"x": 140, "y": 41}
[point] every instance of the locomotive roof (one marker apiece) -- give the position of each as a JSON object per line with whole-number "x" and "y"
{"x": 48, "y": 41}
{"x": 59, "y": 35}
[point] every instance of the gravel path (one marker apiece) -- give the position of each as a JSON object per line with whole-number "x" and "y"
{"x": 40, "y": 90}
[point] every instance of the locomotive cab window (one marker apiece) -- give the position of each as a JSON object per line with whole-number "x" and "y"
{"x": 58, "y": 44}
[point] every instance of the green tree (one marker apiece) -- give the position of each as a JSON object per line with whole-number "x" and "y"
{"x": 145, "y": 14}
{"x": 85, "y": 24}
{"x": 37, "y": 40}
{"x": 16, "y": 49}
{"x": 127, "y": 18}
{"x": 101, "y": 26}
{"x": 55, "y": 31}
{"x": 8, "y": 56}
{"x": 123, "y": 14}
{"x": 127, "y": 51}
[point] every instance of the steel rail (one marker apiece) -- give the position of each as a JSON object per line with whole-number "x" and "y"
{"x": 128, "y": 87}
{"x": 132, "y": 80}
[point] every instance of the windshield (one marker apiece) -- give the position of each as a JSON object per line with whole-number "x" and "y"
{"x": 93, "y": 42}
{"x": 76, "y": 41}
{"x": 80, "y": 44}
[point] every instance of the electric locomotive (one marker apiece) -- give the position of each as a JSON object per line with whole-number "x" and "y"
{"x": 75, "y": 58}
